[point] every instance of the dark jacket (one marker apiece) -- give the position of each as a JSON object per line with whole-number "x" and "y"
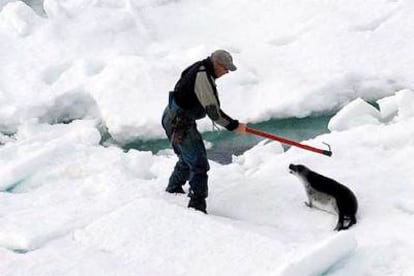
{"x": 196, "y": 93}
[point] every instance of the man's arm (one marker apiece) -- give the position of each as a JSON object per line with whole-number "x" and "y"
{"x": 205, "y": 94}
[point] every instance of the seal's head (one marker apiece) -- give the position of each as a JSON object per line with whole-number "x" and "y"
{"x": 297, "y": 169}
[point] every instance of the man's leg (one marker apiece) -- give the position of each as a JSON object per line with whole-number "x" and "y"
{"x": 179, "y": 176}
{"x": 181, "y": 172}
{"x": 193, "y": 153}
{"x": 192, "y": 164}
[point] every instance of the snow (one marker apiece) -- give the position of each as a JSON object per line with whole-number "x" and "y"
{"x": 69, "y": 206}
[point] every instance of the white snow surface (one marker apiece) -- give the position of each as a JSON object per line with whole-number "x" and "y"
{"x": 69, "y": 206}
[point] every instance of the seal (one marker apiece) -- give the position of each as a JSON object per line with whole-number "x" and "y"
{"x": 325, "y": 190}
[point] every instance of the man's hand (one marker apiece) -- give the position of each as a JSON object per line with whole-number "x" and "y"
{"x": 241, "y": 128}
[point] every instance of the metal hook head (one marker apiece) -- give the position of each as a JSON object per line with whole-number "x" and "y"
{"x": 329, "y": 151}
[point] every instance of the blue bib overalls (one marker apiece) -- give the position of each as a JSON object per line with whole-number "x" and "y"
{"x": 192, "y": 164}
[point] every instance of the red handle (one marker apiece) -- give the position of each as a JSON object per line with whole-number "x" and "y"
{"x": 286, "y": 141}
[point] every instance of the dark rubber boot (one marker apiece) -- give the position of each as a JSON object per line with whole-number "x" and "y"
{"x": 198, "y": 204}
{"x": 175, "y": 190}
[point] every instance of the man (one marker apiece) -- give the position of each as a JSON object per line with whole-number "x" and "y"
{"x": 194, "y": 97}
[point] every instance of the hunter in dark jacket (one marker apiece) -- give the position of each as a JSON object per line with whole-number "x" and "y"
{"x": 195, "y": 96}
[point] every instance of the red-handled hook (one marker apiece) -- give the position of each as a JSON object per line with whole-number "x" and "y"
{"x": 288, "y": 142}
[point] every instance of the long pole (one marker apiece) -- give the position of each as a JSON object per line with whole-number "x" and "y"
{"x": 287, "y": 141}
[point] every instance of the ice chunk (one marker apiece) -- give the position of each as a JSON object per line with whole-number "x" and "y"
{"x": 355, "y": 114}
{"x": 320, "y": 259}
{"x": 405, "y": 101}
{"x": 258, "y": 154}
{"x": 40, "y": 145}
{"x": 388, "y": 107}
{"x": 122, "y": 87}
{"x": 399, "y": 105}
{"x": 19, "y": 17}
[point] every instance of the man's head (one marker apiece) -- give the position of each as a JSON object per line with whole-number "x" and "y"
{"x": 222, "y": 62}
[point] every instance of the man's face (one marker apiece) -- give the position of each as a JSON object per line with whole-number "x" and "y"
{"x": 219, "y": 69}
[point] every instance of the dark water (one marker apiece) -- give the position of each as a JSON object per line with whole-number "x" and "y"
{"x": 226, "y": 143}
